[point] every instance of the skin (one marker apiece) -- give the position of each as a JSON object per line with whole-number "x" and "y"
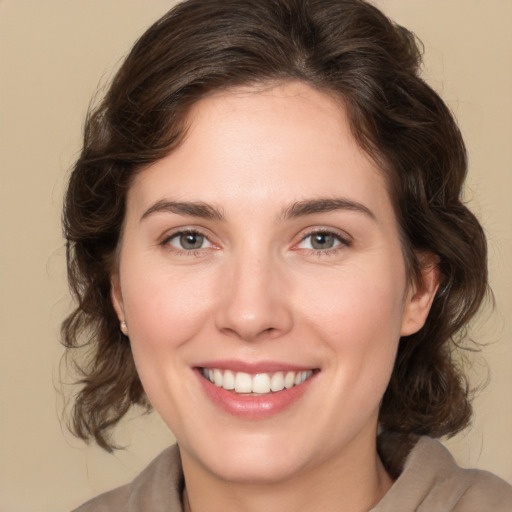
{"x": 258, "y": 290}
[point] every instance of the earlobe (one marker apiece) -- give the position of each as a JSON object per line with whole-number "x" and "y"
{"x": 421, "y": 295}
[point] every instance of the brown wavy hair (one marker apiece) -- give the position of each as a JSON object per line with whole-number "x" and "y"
{"x": 345, "y": 48}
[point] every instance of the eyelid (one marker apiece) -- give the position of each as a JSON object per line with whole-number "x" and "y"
{"x": 345, "y": 239}
{"x": 176, "y": 232}
{"x": 180, "y": 234}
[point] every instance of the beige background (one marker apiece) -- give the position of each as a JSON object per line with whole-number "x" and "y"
{"x": 53, "y": 54}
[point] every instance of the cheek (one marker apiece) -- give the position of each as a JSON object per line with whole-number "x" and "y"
{"x": 358, "y": 316}
{"x": 357, "y": 299}
{"x": 165, "y": 308}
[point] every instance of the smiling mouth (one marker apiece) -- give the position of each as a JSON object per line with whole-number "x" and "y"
{"x": 259, "y": 383}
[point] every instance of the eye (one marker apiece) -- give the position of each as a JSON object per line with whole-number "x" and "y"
{"x": 322, "y": 241}
{"x": 188, "y": 241}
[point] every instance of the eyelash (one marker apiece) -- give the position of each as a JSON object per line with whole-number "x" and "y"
{"x": 184, "y": 252}
{"x": 343, "y": 242}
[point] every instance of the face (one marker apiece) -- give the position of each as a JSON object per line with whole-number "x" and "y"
{"x": 262, "y": 280}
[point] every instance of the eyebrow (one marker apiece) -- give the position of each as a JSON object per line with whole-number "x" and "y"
{"x": 192, "y": 209}
{"x": 295, "y": 210}
{"x": 310, "y": 207}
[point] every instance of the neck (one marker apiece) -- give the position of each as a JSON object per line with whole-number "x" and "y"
{"x": 353, "y": 483}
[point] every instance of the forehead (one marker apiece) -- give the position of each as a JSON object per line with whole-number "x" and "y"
{"x": 264, "y": 145}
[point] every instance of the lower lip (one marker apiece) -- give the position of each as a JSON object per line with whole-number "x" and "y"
{"x": 253, "y": 406}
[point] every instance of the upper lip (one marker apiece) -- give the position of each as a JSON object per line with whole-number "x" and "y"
{"x": 254, "y": 367}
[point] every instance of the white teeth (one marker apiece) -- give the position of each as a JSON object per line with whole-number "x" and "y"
{"x": 277, "y": 382}
{"x": 260, "y": 383}
{"x": 243, "y": 383}
{"x": 289, "y": 380}
{"x": 228, "y": 381}
{"x": 217, "y": 377}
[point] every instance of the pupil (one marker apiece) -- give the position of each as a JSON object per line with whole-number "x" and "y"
{"x": 191, "y": 241}
{"x": 322, "y": 241}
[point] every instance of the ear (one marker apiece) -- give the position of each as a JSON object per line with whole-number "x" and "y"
{"x": 421, "y": 294}
{"x": 116, "y": 297}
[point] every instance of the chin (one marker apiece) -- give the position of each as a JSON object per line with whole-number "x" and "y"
{"x": 255, "y": 469}
{"x": 255, "y": 459}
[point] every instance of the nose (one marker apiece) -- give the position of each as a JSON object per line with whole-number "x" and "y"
{"x": 254, "y": 299}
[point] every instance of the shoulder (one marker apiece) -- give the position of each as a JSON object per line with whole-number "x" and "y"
{"x": 486, "y": 492}
{"x": 156, "y": 488}
{"x": 431, "y": 480}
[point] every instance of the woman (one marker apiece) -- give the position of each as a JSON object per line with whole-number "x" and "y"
{"x": 267, "y": 244}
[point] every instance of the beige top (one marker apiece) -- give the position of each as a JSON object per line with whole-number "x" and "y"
{"x": 430, "y": 481}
